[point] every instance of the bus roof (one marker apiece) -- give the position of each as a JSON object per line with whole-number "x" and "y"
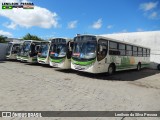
{"x": 16, "y": 42}
{"x": 31, "y": 41}
{"x": 67, "y": 39}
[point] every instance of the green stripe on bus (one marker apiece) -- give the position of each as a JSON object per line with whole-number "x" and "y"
{"x": 83, "y": 63}
{"x": 125, "y": 66}
{"x": 24, "y": 57}
{"x": 41, "y": 58}
{"x": 57, "y": 61}
{"x": 34, "y": 58}
{"x": 129, "y": 66}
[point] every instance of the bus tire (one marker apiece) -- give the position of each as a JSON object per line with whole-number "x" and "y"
{"x": 111, "y": 69}
{"x": 158, "y": 66}
{"x": 139, "y": 66}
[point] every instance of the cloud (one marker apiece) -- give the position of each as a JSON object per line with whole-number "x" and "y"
{"x": 153, "y": 15}
{"x": 97, "y": 24}
{"x": 8, "y": 34}
{"x": 40, "y": 17}
{"x": 11, "y": 25}
{"x": 109, "y": 26}
{"x": 72, "y": 24}
{"x": 148, "y": 6}
{"x": 148, "y": 9}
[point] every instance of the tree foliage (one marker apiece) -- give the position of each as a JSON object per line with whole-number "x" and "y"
{"x": 32, "y": 37}
{"x": 2, "y": 39}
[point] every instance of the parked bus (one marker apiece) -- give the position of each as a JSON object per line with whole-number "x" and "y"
{"x": 12, "y": 50}
{"x": 30, "y": 50}
{"x": 61, "y": 52}
{"x": 43, "y": 53}
{"x": 97, "y": 54}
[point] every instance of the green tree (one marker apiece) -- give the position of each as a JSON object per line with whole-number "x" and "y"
{"x": 2, "y": 39}
{"x": 32, "y": 37}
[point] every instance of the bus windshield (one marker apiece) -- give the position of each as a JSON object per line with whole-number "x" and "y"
{"x": 58, "y": 49}
{"x": 9, "y": 47}
{"x": 84, "y": 47}
{"x": 43, "y": 52}
{"x": 26, "y": 46}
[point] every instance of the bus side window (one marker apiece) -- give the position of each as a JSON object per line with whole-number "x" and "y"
{"x": 129, "y": 50}
{"x": 122, "y": 49}
{"x": 140, "y": 53}
{"x": 135, "y": 51}
{"x": 144, "y": 52}
{"x": 148, "y": 52}
{"x": 102, "y": 49}
{"x": 113, "y": 48}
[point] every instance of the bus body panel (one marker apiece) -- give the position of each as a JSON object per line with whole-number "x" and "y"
{"x": 64, "y": 62}
{"x": 43, "y": 60}
{"x": 121, "y": 62}
{"x": 102, "y": 66}
{"x": 11, "y": 56}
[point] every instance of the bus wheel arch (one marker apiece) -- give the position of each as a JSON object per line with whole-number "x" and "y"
{"x": 111, "y": 68}
{"x": 139, "y": 66}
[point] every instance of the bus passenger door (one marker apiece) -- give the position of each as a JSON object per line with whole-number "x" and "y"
{"x": 102, "y": 55}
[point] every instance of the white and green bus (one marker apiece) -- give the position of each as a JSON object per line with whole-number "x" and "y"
{"x": 61, "y": 52}
{"x": 97, "y": 54}
{"x": 12, "y": 50}
{"x": 43, "y": 53}
{"x": 30, "y": 50}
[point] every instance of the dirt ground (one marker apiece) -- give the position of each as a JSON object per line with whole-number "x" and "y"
{"x": 35, "y": 87}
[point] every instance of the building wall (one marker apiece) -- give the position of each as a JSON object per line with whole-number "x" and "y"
{"x": 3, "y": 48}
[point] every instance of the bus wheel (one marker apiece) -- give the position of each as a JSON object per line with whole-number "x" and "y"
{"x": 111, "y": 69}
{"x": 139, "y": 66}
{"x": 158, "y": 67}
